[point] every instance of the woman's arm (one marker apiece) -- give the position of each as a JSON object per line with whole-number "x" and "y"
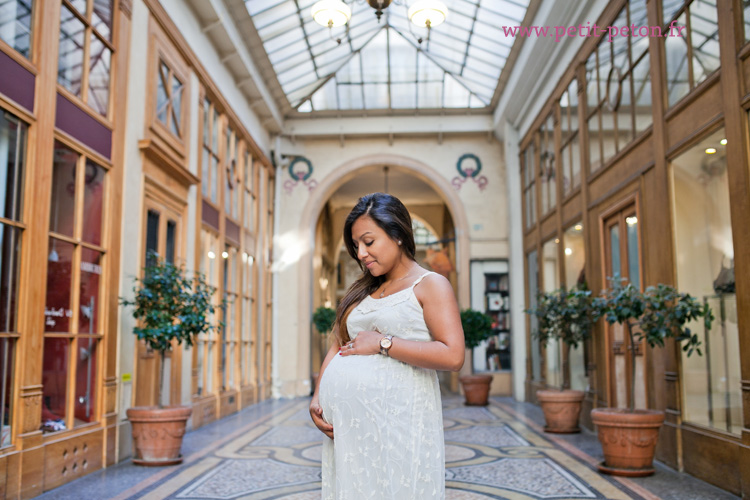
{"x": 316, "y": 412}
{"x": 446, "y": 351}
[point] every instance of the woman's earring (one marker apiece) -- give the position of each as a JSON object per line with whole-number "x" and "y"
{"x": 399, "y": 242}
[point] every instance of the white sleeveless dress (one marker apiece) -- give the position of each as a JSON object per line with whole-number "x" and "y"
{"x": 386, "y": 415}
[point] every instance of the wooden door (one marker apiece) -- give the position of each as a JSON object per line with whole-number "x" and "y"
{"x": 161, "y": 230}
{"x": 622, "y": 257}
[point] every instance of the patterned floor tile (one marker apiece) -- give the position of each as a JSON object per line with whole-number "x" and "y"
{"x": 497, "y": 436}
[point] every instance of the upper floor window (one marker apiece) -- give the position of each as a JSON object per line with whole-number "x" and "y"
{"x": 169, "y": 90}
{"x": 547, "y": 178}
{"x": 529, "y": 186}
{"x": 85, "y": 53}
{"x": 570, "y": 154}
{"x": 232, "y": 194}
{"x": 210, "y": 159}
{"x": 15, "y": 24}
{"x": 692, "y": 47}
{"x": 618, "y": 87}
{"x": 249, "y": 191}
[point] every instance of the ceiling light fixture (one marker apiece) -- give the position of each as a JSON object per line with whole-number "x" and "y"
{"x": 710, "y": 151}
{"x": 336, "y": 13}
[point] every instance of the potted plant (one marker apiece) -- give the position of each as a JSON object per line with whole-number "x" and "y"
{"x": 323, "y": 319}
{"x": 171, "y": 308}
{"x": 477, "y": 328}
{"x": 629, "y": 435}
{"x": 569, "y": 317}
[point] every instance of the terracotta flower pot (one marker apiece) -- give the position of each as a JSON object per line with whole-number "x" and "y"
{"x": 628, "y": 439}
{"x": 561, "y": 410}
{"x": 476, "y": 389}
{"x": 157, "y": 433}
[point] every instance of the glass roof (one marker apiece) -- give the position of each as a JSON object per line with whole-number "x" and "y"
{"x": 381, "y": 64}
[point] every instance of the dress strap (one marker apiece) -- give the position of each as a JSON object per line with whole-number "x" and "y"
{"x": 416, "y": 282}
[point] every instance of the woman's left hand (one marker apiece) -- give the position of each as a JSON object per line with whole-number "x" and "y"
{"x": 367, "y": 342}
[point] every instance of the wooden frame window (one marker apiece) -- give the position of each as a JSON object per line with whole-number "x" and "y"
{"x": 210, "y": 158}
{"x": 85, "y": 52}
{"x": 247, "y": 322}
{"x": 692, "y": 47}
{"x": 75, "y": 292}
{"x": 169, "y": 93}
{"x": 16, "y": 25}
{"x": 618, "y": 87}
{"x": 249, "y": 173}
{"x": 232, "y": 194}
{"x": 230, "y": 292}
{"x": 13, "y": 137}
{"x": 547, "y": 167}
{"x": 529, "y": 185}
{"x": 570, "y": 151}
{"x": 205, "y": 362}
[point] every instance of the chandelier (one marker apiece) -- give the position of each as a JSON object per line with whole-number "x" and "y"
{"x": 422, "y": 13}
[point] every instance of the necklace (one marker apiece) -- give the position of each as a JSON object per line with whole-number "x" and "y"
{"x": 386, "y": 286}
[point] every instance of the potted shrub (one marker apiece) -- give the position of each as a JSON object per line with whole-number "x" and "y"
{"x": 568, "y": 316}
{"x": 323, "y": 319}
{"x": 171, "y": 308}
{"x": 477, "y": 328}
{"x": 629, "y": 435}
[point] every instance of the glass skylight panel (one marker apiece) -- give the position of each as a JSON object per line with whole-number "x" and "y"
{"x": 376, "y": 95}
{"x": 430, "y": 95}
{"x": 462, "y": 56}
{"x": 350, "y": 96}
{"x": 404, "y": 95}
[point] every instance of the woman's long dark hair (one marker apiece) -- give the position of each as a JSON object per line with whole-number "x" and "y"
{"x": 392, "y": 217}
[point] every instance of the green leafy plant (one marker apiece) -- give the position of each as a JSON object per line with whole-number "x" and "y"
{"x": 477, "y": 328}
{"x": 654, "y": 315}
{"x": 568, "y": 316}
{"x": 323, "y": 319}
{"x": 171, "y": 305}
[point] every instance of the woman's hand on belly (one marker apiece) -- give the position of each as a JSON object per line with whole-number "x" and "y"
{"x": 366, "y": 343}
{"x": 316, "y": 412}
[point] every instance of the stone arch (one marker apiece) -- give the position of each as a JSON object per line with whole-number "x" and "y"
{"x": 340, "y": 175}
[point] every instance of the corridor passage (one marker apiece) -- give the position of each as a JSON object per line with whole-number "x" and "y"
{"x": 272, "y": 451}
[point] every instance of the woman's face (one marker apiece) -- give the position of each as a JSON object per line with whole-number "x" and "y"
{"x": 375, "y": 249}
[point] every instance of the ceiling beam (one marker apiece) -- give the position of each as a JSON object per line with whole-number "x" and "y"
{"x": 388, "y": 127}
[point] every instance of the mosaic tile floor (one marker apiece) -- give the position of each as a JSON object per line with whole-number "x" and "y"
{"x": 490, "y": 454}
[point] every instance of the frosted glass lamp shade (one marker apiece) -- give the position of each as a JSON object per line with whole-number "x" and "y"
{"x": 427, "y": 13}
{"x": 331, "y": 13}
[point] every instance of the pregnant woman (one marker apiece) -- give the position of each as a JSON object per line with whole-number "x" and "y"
{"x": 378, "y": 398}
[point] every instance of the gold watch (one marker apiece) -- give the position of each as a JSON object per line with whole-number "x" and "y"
{"x": 385, "y": 344}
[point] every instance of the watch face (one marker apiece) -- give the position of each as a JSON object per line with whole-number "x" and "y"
{"x": 385, "y": 343}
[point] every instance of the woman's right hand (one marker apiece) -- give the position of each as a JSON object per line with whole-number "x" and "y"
{"x": 316, "y": 412}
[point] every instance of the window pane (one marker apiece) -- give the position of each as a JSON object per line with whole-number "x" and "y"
{"x": 152, "y": 235}
{"x": 100, "y": 59}
{"x": 704, "y": 257}
{"x": 205, "y": 180}
{"x": 676, "y": 60}
{"x": 176, "y": 122}
{"x": 70, "y": 58}
{"x": 57, "y": 311}
{"x": 91, "y": 272}
{"x": 746, "y": 18}
{"x": 12, "y": 162}
{"x": 634, "y": 274}
{"x": 206, "y": 121}
{"x": 704, "y": 38}
{"x": 614, "y": 242}
{"x": 7, "y": 351}
{"x": 595, "y": 155}
{"x": 171, "y": 235}
{"x": 15, "y": 24}
{"x": 10, "y": 258}
{"x": 85, "y": 381}
{"x": 214, "y": 178}
{"x": 62, "y": 216}
{"x": 54, "y": 381}
{"x": 80, "y": 6}
{"x": 575, "y": 260}
{"x": 162, "y": 99}
{"x": 102, "y": 18}
{"x": 533, "y": 283}
{"x": 93, "y": 203}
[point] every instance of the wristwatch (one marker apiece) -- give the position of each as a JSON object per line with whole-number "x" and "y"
{"x": 385, "y": 344}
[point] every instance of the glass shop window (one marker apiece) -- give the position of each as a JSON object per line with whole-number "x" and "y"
{"x": 551, "y": 282}
{"x": 13, "y": 136}
{"x": 529, "y": 186}
{"x": 575, "y": 260}
{"x": 73, "y": 312}
{"x": 704, "y": 259}
{"x": 210, "y": 158}
{"x": 169, "y": 91}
